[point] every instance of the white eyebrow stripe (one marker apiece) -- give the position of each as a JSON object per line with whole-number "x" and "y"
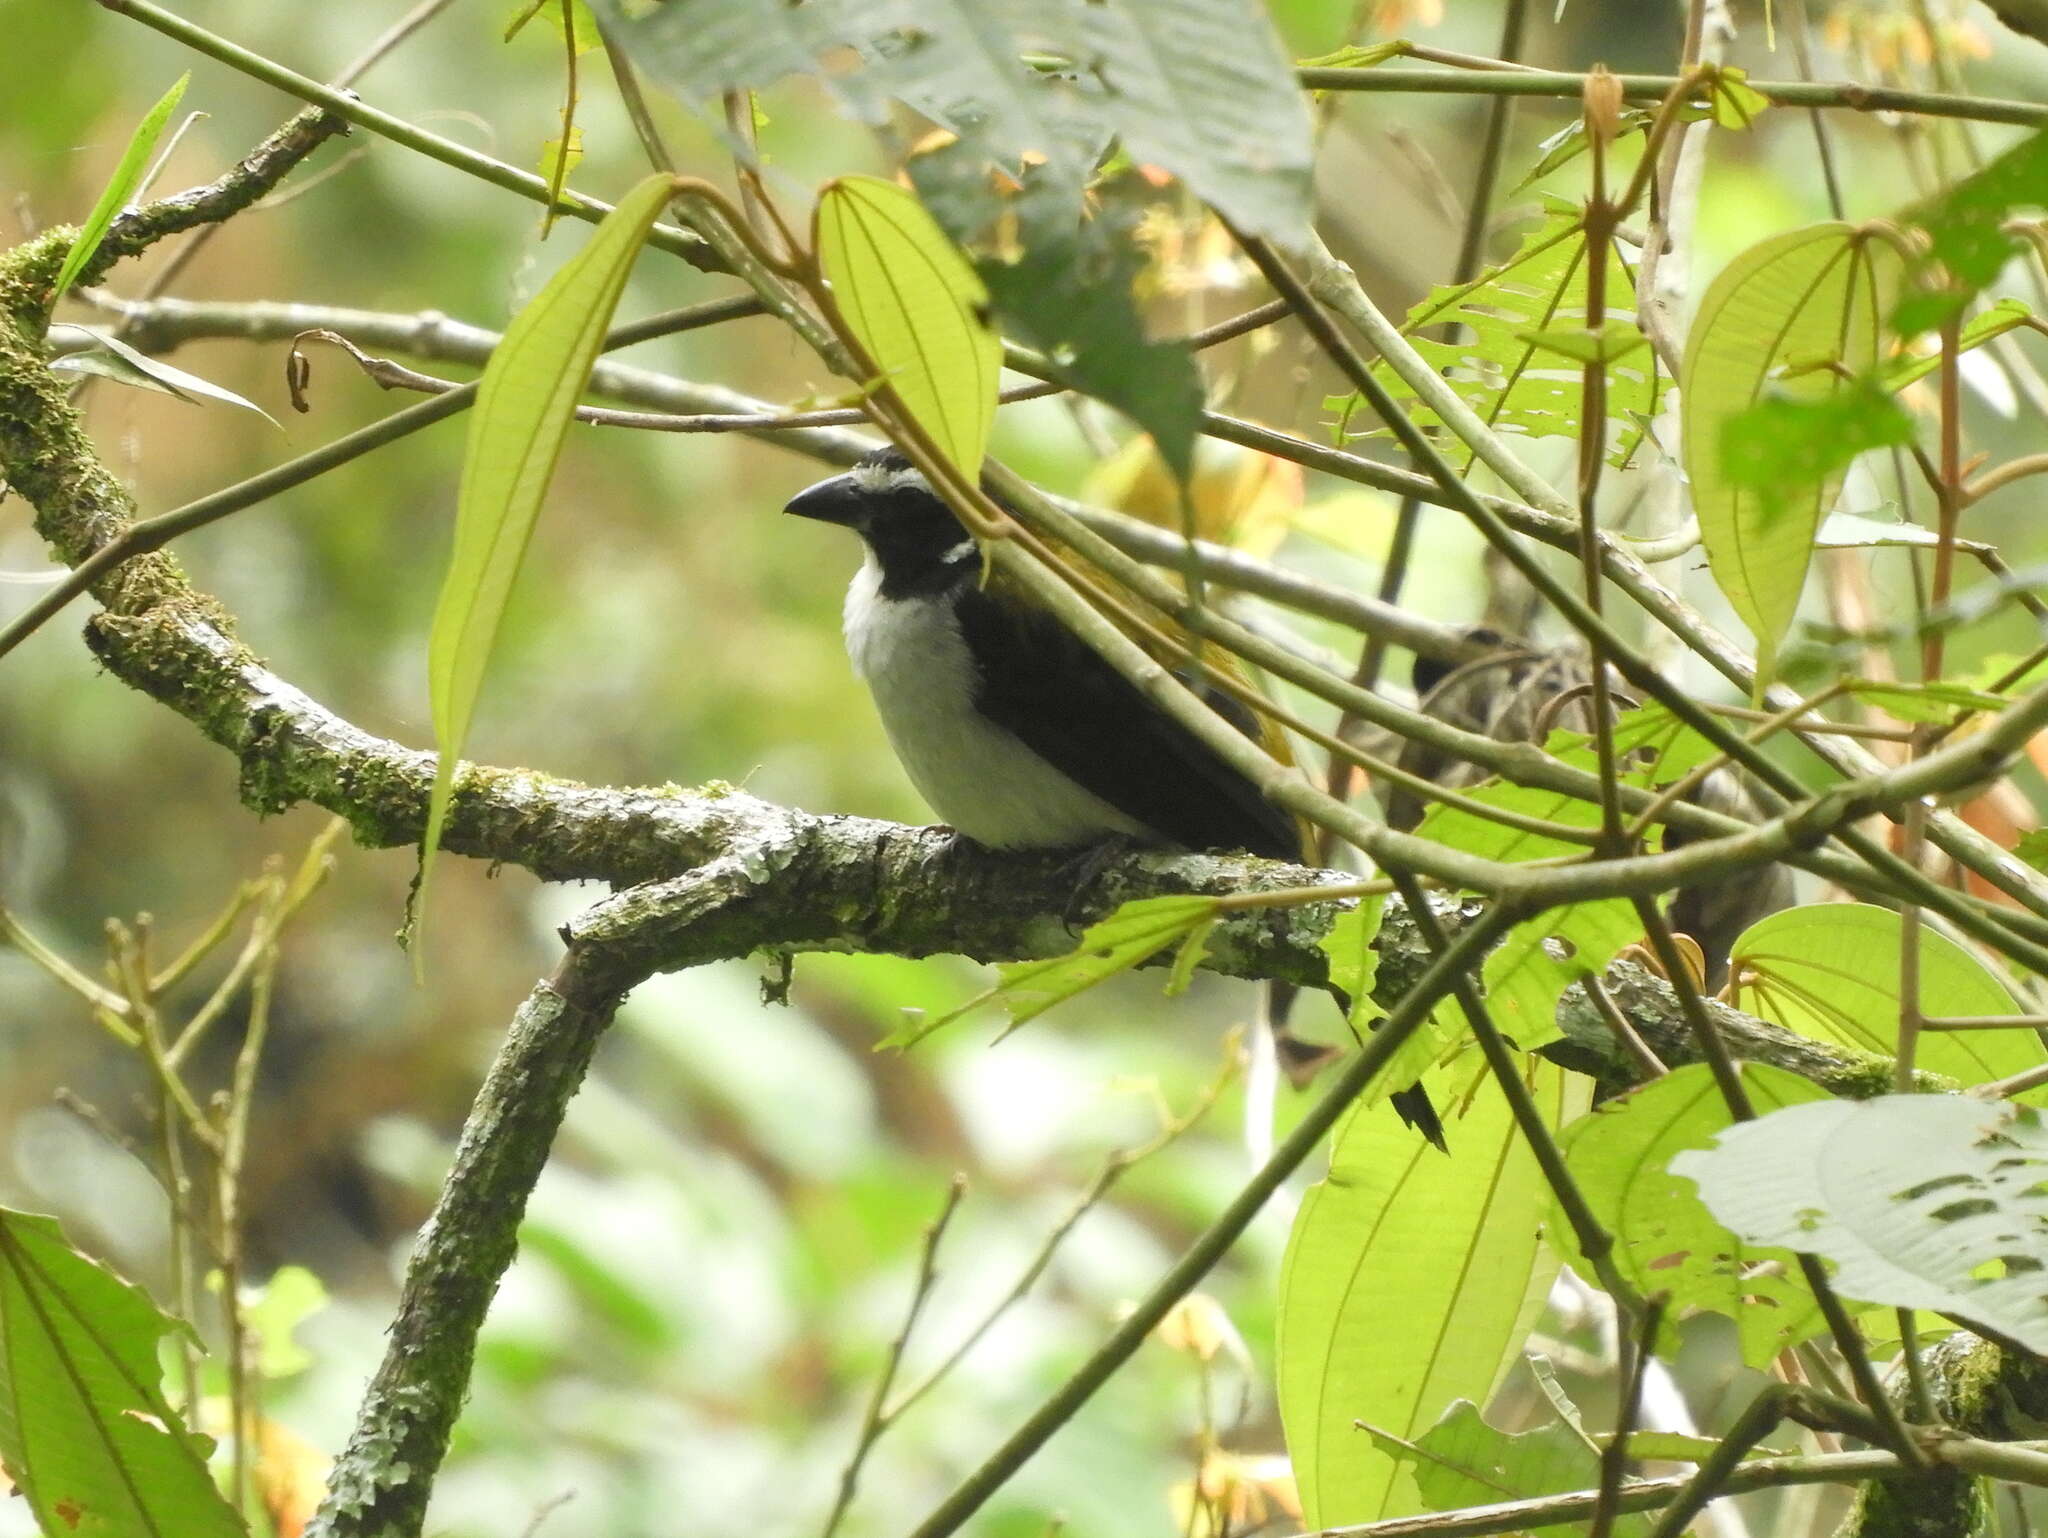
{"x": 878, "y": 479}
{"x": 959, "y": 552}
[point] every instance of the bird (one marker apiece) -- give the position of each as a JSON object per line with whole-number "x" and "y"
{"x": 1013, "y": 729}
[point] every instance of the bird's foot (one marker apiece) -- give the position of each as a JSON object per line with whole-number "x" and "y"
{"x": 1086, "y": 867}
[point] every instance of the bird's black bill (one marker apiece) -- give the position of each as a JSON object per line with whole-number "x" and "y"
{"x": 835, "y": 501}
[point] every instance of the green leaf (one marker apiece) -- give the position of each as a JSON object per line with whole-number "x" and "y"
{"x": 1734, "y": 102}
{"x": 2033, "y": 848}
{"x": 557, "y": 161}
{"x": 1968, "y": 242}
{"x": 291, "y": 1297}
{"x": 1202, "y": 88}
{"x": 1503, "y": 375}
{"x": 1410, "y": 1281}
{"x": 1933, "y": 1202}
{"x": 1354, "y": 958}
{"x": 1528, "y": 972}
{"x": 1831, "y": 971}
{"x": 1785, "y": 448}
{"x": 85, "y": 1430}
{"x": 112, "y": 358}
{"x": 550, "y": 13}
{"x": 1462, "y": 1461}
{"x": 1902, "y": 368}
{"x": 1781, "y": 316}
{"x": 1936, "y": 703}
{"x": 1132, "y": 935}
{"x": 1666, "y": 1240}
{"x": 905, "y": 291}
{"x": 120, "y": 187}
{"x": 1065, "y": 285}
{"x": 1358, "y": 56}
{"x": 525, "y": 403}
{"x": 1615, "y": 340}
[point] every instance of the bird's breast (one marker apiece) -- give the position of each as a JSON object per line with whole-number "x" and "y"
{"x": 978, "y": 776}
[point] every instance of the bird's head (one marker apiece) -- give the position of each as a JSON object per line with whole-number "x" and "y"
{"x": 911, "y": 533}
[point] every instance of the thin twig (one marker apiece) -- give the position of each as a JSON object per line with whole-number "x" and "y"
{"x": 873, "y": 1423}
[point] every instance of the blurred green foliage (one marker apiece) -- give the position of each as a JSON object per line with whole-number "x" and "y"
{"x": 725, "y": 1243}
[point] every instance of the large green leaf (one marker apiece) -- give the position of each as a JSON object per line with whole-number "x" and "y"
{"x": 1512, "y": 317}
{"x": 85, "y": 1430}
{"x": 1831, "y": 970}
{"x": 120, "y": 186}
{"x": 1200, "y": 87}
{"x": 1410, "y": 1281}
{"x": 1666, "y": 1240}
{"x": 917, "y": 308}
{"x": 524, "y": 405}
{"x": 1790, "y": 315}
{"x": 1462, "y": 1461}
{"x": 1919, "y": 1201}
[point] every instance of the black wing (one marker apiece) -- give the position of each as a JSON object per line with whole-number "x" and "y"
{"x": 1042, "y": 682}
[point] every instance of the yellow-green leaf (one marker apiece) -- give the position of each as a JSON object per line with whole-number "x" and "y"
{"x": 1831, "y": 970}
{"x": 120, "y": 186}
{"x": 525, "y": 403}
{"x": 1129, "y": 937}
{"x": 916, "y": 307}
{"x": 1410, "y": 1281}
{"x": 1791, "y": 314}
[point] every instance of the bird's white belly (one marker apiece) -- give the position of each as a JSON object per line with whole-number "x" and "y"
{"x": 976, "y": 775}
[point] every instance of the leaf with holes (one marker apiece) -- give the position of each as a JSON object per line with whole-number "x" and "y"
{"x": 85, "y": 1431}
{"x": 1790, "y": 315}
{"x": 1504, "y": 362}
{"x": 1831, "y": 971}
{"x": 1936, "y": 1202}
{"x": 1448, "y": 1246}
{"x": 1665, "y": 1240}
{"x": 524, "y": 405}
{"x": 905, "y": 292}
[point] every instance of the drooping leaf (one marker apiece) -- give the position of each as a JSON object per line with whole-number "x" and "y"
{"x": 1968, "y": 243}
{"x": 525, "y": 403}
{"x": 1517, "y": 385}
{"x": 1201, "y": 88}
{"x": 1129, "y": 937}
{"x": 1666, "y": 1241}
{"x": 1831, "y": 971}
{"x": 1784, "y": 316}
{"x": 111, "y": 358}
{"x": 905, "y": 291}
{"x": 85, "y": 1430}
{"x": 1448, "y": 1246}
{"x": 1462, "y": 1461}
{"x": 558, "y": 159}
{"x": 1934, "y": 1202}
{"x": 120, "y": 187}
